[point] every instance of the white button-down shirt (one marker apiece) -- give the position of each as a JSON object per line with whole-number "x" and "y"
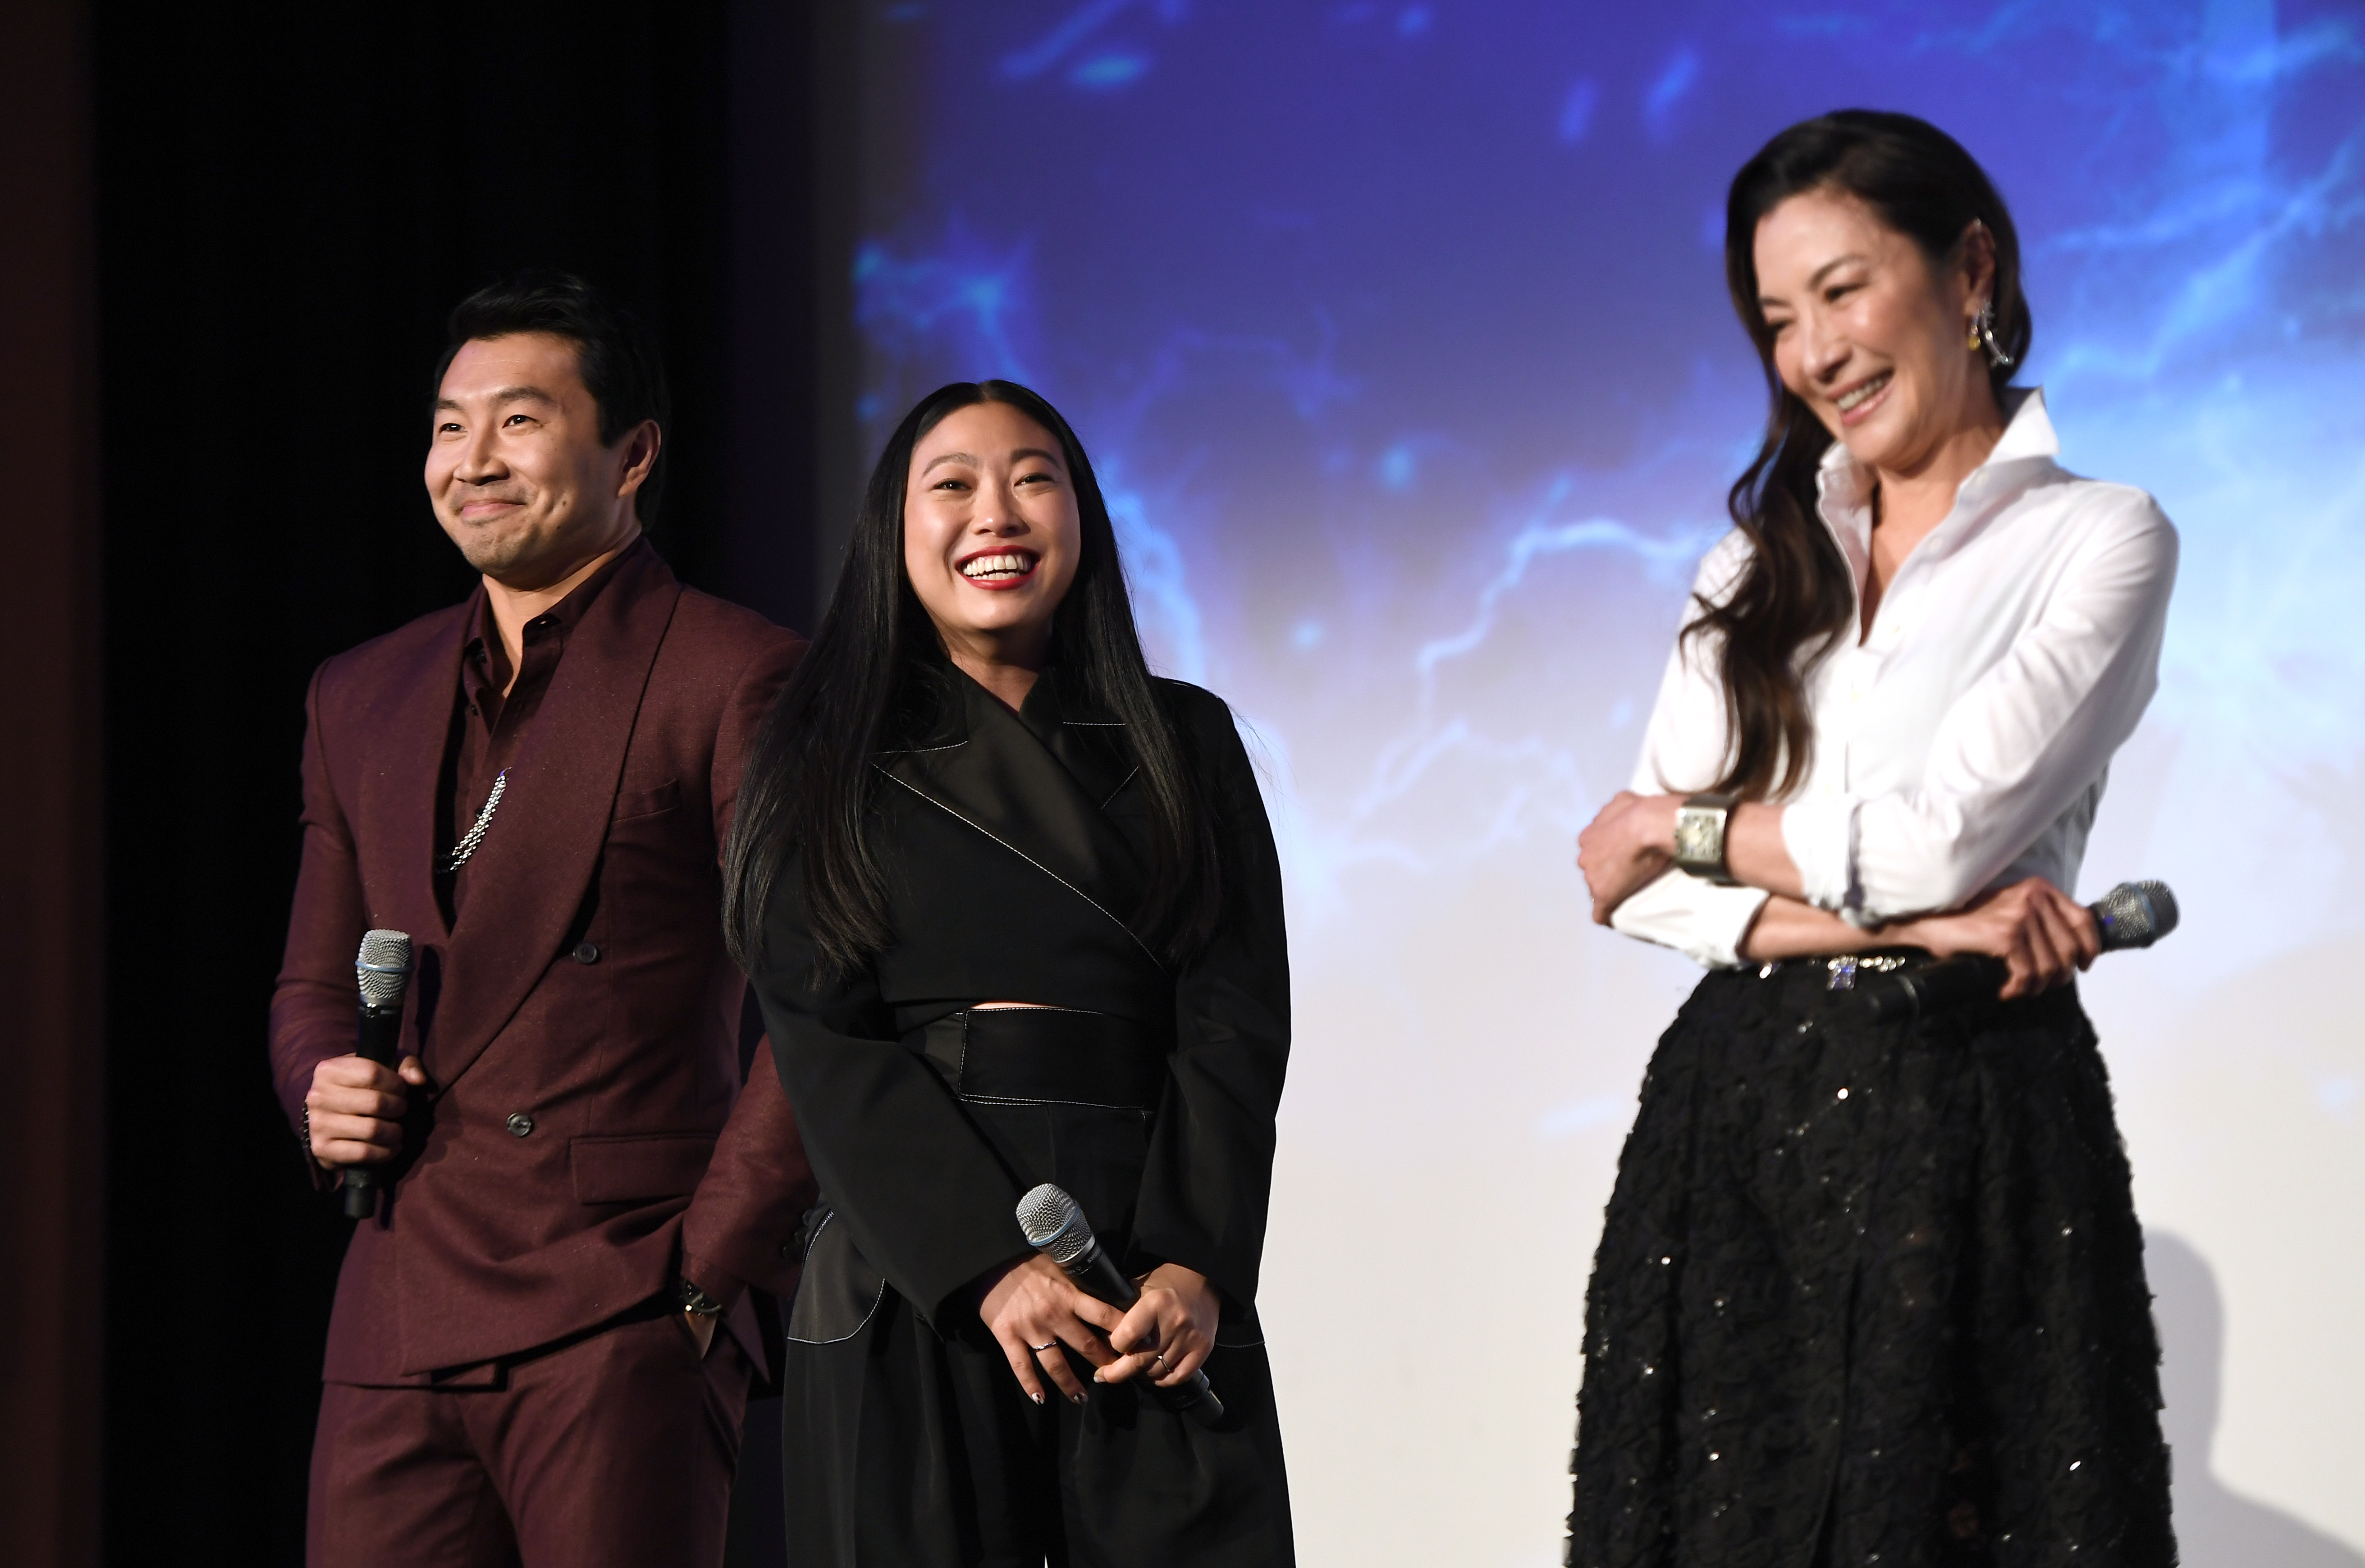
{"x": 1964, "y": 742}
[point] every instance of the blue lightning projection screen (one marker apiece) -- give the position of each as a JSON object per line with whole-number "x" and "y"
{"x": 1399, "y": 335}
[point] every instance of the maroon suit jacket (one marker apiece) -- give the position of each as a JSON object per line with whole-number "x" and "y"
{"x": 580, "y": 1025}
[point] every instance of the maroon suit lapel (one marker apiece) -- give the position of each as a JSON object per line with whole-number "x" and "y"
{"x": 404, "y": 726}
{"x": 529, "y": 879}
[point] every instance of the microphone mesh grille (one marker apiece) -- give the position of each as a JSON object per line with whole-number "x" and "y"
{"x": 2135, "y": 914}
{"x": 384, "y": 967}
{"x": 1054, "y": 1224}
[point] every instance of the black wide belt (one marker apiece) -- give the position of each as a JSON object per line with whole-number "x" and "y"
{"x": 1817, "y": 984}
{"x": 1046, "y": 1054}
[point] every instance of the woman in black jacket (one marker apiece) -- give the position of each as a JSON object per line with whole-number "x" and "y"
{"x": 1013, "y": 911}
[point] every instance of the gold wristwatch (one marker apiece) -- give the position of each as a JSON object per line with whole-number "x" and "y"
{"x": 1700, "y": 836}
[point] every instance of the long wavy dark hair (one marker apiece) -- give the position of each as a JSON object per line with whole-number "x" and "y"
{"x": 808, "y": 781}
{"x": 1796, "y": 597}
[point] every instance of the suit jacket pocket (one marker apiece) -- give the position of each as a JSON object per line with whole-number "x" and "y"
{"x": 838, "y": 1291}
{"x": 635, "y": 1167}
{"x": 648, "y": 802}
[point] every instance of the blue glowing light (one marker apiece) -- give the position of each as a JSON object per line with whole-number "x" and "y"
{"x": 1399, "y": 336}
{"x": 1666, "y": 94}
{"x": 1045, "y": 51}
{"x": 1576, "y": 111}
{"x": 1244, "y": 297}
{"x": 1105, "y": 71}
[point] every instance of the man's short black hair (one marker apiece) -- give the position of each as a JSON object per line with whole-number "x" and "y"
{"x": 617, "y": 354}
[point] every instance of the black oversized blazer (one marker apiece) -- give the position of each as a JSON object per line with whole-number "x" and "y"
{"x": 1014, "y": 849}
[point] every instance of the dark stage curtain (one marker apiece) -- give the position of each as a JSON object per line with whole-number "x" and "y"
{"x": 289, "y": 198}
{"x": 51, "y": 1002}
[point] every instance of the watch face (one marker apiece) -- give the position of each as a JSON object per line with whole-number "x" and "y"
{"x": 1699, "y": 836}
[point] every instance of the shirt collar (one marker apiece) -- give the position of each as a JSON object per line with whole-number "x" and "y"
{"x": 2028, "y": 428}
{"x": 2027, "y": 433}
{"x": 1844, "y": 487}
{"x": 561, "y": 617}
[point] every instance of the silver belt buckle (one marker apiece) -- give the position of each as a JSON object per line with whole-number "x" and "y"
{"x": 1845, "y": 967}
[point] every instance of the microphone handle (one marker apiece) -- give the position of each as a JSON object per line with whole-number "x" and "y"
{"x": 381, "y": 1038}
{"x": 1967, "y": 982}
{"x": 1096, "y": 1274}
{"x": 1974, "y": 979}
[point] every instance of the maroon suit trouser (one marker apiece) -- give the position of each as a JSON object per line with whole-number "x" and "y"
{"x": 615, "y": 1449}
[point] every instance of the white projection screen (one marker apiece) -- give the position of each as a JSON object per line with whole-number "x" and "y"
{"x": 1399, "y": 335}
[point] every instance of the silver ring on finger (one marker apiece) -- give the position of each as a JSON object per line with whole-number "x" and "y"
{"x": 1046, "y": 1345}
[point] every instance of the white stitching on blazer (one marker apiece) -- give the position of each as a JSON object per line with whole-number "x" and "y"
{"x": 1055, "y": 875}
{"x": 867, "y": 1316}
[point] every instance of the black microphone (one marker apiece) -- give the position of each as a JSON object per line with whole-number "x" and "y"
{"x": 383, "y": 967}
{"x": 2133, "y": 914}
{"x": 1056, "y": 1227}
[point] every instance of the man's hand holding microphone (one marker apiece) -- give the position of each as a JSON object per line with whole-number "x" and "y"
{"x": 354, "y": 1110}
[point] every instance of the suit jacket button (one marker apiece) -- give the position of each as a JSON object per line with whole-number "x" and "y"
{"x": 585, "y": 953}
{"x": 520, "y": 1123}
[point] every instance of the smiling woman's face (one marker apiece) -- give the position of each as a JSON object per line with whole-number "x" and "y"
{"x": 1865, "y": 334}
{"x": 991, "y": 536}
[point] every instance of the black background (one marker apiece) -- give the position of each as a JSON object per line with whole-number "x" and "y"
{"x": 289, "y": 200}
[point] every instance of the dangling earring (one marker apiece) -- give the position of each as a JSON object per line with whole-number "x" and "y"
{"x": 1983, "y": 337}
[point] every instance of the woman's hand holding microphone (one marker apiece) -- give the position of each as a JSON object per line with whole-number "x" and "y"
{"x": 1034, "y": 1310}
{"x": 1171, "y": 1329}
{"x": 2043, "y": 935}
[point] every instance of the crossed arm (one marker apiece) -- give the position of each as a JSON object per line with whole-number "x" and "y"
{"x": 2043, "y": 935}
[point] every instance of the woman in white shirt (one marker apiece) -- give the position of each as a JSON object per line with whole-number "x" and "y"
{"x": 1867, "y": 1292}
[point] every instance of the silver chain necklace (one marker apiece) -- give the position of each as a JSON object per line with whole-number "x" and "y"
{"x": 476, "y": 835}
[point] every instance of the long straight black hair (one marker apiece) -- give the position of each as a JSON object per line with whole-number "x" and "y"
{"x": 809, "y": 781}
{"x": 1797, "y": 595}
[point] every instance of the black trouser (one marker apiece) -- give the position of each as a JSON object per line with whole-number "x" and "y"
{"x": 903, "y": 1445}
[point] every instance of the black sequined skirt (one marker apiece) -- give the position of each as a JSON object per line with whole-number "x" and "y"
{"x": 1870, "y": 1294}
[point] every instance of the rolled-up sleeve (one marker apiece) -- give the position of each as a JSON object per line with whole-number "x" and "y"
{"x": 1702, "y": 920}
{"x": 1683, "y": 751}
{"x": 1819, "y": 835}
{"x": 2017, "y": 748}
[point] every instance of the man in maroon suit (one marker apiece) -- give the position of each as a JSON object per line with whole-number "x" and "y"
{"x": 521, "y": 1363}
